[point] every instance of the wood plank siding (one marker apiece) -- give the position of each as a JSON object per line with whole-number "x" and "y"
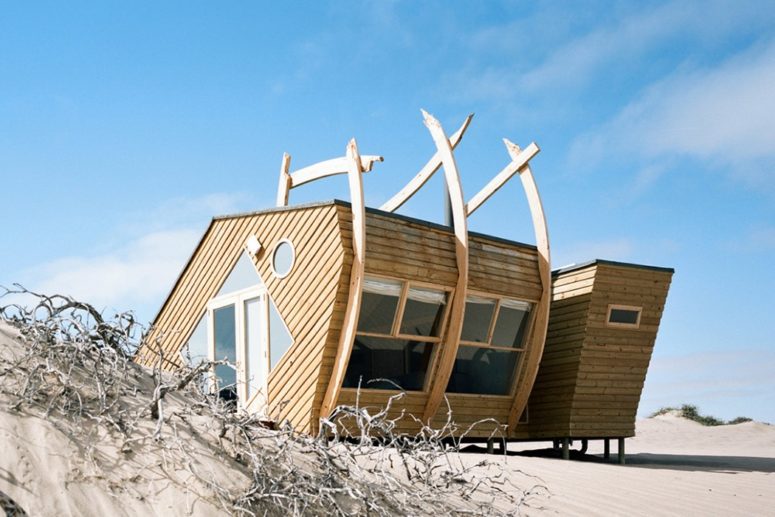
{"x": 409, "y": 249}
{"x": 591, "y": 374}
{"x": 308, "y": 298}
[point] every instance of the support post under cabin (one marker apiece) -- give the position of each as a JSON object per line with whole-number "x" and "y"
{"x": 621, "y": 451}
{"x": 566, "y": 448}
{"x": 606, "y": 448}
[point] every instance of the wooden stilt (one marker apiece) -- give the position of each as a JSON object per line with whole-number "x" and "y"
{"x": 606, "y": 448}
{"x": 490, "y": 446}
{"x": 566, "y": 448}
{"x": 621, "y": 451}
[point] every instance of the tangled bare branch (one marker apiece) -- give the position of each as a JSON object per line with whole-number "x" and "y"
{"x": 74, "y": 368}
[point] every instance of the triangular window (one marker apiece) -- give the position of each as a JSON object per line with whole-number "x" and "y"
{"x": 242, "y": 276}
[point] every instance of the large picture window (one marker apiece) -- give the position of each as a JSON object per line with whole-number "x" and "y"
{"x": 491, "y": 345}
{"x": 399, "y": 326}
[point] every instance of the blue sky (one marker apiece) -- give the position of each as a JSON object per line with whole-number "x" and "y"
{"x": 125, "y": 126}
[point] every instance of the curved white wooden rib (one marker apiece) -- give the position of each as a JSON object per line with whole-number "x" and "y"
{"x": 347, "y": 336}
{"x": 452, "y": 339}
{"x": 518, "y": 161}
{"x": 529, "y": 367}
{"x": 330, "y": 168}
{"x": 285, "y": 181}
{"x": 425, "y": 173}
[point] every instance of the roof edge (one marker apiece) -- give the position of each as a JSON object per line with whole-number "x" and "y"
{"x": 377, "y": 211}
{"x": 631, "y": 265}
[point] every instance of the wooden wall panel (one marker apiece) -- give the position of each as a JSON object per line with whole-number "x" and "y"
{"x": 591, "y": 375}
{"x": 401, "y": 248}
{"x": 504, "y": 269}
{"x": 549, "y": 405}
{"x": 615, "y": 360}
{"x": 305, "y": 298}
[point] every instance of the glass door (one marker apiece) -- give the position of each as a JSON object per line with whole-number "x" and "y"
{"x": 239, "y": 334}
{"x": 256, "y": 349}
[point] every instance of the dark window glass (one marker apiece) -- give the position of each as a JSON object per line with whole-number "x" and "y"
{"x": 626, "y": 316}
{"x": 511, "y": 325}
{"x": 401, "y": 361}
{"x": 423, "y": 311}
{"x": 378, "y": 306}
{"x": 476, "y": 322}
{"x": 225, "y": 348}
{"x": 483, "y": 371}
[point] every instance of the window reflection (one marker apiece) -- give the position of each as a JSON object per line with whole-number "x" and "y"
{"x": 388, "y": 363}
{"x": 483, "y": 370}
{"x": 225, "y": 335}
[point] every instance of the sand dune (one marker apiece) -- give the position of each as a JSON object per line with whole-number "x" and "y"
{"x": 674, "y": 467}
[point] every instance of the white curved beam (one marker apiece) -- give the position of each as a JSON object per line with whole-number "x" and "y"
{"x": 518, "y": 161}
{"x": 285, "y": 181}
{"x": 460, "y": 223}
{"x": 425, "y": 173}
{"x": 529, "y": 367}
{"x": 355, "y": 169}
{"x": 330, "y": 168}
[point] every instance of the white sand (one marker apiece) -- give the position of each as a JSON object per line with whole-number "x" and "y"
{"x": 675, "y": 467}
{"x": 44, "y": 470}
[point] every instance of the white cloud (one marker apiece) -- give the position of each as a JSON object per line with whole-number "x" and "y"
{"x": 724, "y": 115}
{"x": 136, "y": 266}
{"x": 530, "y": 61}
{"x": 136, "y": 274}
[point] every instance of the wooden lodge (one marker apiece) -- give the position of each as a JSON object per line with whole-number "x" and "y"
{"x": 332, "y": 304}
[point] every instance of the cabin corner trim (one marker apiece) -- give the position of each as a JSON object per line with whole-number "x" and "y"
{"x": 451, "y": 342}
{"x": 355, "y": 294}
{"x": 529, "y": 367}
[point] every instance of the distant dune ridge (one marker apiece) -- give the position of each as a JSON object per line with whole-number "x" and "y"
{"x": 66, "y": 465}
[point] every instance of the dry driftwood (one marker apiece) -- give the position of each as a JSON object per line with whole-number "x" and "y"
{"x": 75, "y": 368}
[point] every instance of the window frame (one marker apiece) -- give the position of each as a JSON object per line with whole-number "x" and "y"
{"x": 528, "y": 337}
{"x": 275, "y": 248}
{"x": 238, "y": 299}
{"x": 491, "y": 329}
{"x": 395, "y": 328}
{"x": 616, "y": 324}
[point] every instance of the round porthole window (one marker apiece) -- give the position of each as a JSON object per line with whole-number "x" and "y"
{"x": 282, "y": 258}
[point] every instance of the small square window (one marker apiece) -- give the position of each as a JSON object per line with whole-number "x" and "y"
{"x": 624, "y": 316}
